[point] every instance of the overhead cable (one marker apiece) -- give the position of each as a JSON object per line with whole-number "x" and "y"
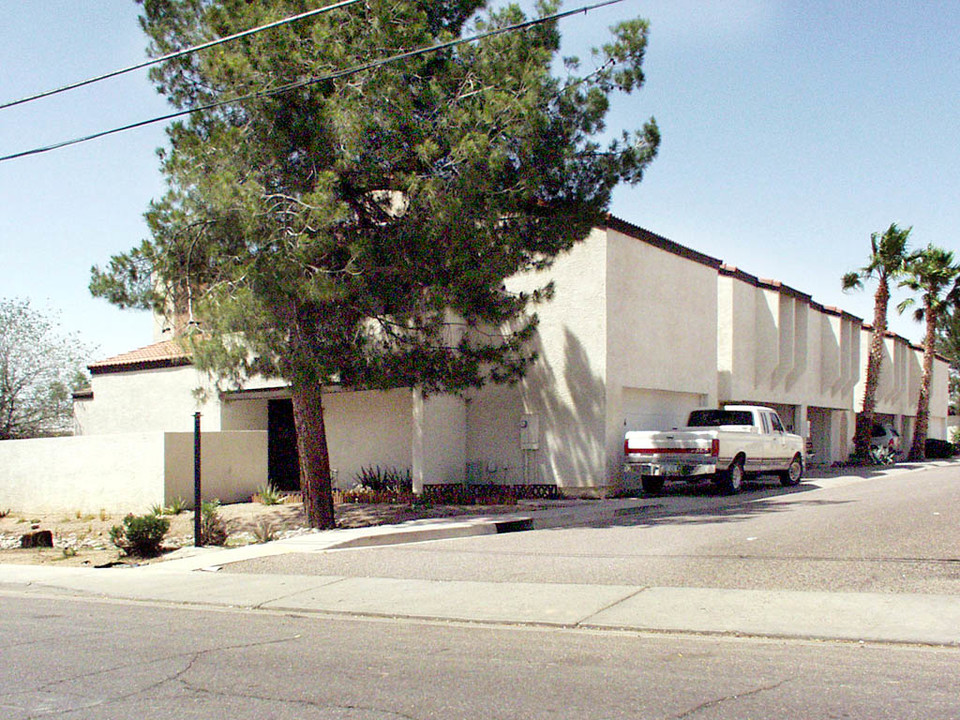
{"x": 313, "y": 80}
{"x": 180, "y": 53}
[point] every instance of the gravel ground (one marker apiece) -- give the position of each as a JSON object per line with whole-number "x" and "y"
{"x": 84, "y": 539}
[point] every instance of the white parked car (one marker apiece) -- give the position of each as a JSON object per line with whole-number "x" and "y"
{"x": 726, "y": 445}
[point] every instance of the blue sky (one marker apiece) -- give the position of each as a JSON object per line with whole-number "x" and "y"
{"x": 791, "y": 131}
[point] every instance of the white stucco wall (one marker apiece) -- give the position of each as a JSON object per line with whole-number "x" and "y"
{"x": 940, "y": 399}
{"x": 128, "y": 472}
{"x": 156, "y": 400}
{"x": 899, "y": 381}
{"x": 368, "y": 428}
{"x": 119, "y": 473}
{"x": 776, "y": 346}
{"x": 898, "y": 389}
{"x": 566, "y": 387}
{"x": 242, "y": 413}
{"x": 364, "y": 428}
{"x": 233, "y": 465}
{"x": 661, "y": 340}
{"x": 638, "y": 333}
{"x": 439, "y": 440}
{"x": 493, "y": 417}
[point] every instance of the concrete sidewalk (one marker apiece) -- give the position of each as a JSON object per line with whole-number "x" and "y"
{"x": 193, "y": 578}
{"x": 867, "y": 617}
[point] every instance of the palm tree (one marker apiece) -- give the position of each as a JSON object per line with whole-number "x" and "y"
{"x": 932, "y": 274}
{"x": 948, "y": 345}
{"x": 888, "y": 254}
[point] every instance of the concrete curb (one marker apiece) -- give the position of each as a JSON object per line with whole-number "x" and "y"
{"x": 851, "y": 617}
{"x": 867, "y": 617}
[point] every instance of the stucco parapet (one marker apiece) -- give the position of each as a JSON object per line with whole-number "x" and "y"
{"x": 736, "y": 273}
{"x": 868, "y": 327}
{"x": 658, "y": 241}
{"x": 779, "y": 287}
{"x": 887, "y": 333}
{"x": 839, "y": 312}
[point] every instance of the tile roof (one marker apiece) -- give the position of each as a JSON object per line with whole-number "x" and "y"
{"x": 168, "y": 353}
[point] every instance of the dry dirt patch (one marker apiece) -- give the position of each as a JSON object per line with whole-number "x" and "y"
{"x": 83, "y": 540}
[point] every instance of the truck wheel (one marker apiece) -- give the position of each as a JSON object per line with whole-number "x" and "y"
{"x": 793, "y": 474}
{"x": 651, "y": 485}
{"x": 731, "y": 481}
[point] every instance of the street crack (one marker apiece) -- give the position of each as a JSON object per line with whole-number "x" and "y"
{"x": 191, "y": 659}
{"x": 738, "y": 696}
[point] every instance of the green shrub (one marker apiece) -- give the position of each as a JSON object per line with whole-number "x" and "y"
{"x": 213, "y": 528}
{"x": 385, "y": 480}
{"x": 269, "y": 495}
{"x": 140, "y": 534}
{"x": 934, "y": 449}
{"x": 176, "y": 507}
{"x": 265, "y": 530}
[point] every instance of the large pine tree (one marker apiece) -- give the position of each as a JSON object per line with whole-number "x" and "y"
{"x": 356, "y": 228}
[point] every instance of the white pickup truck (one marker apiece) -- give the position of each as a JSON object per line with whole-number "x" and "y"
{"x": 727, "y": 444}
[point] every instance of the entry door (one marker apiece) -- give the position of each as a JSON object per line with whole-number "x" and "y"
{"x": 282, "y": 456}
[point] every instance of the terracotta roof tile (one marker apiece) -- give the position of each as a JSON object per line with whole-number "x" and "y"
{"x": 168, "y": 353}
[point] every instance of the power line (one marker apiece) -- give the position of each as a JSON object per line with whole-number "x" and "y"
{"x": 180, "y": 53}
{"x": 313, "y": 80}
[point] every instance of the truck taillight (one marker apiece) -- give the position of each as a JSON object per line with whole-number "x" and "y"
{"x": 626, "y": 447}
{"x": 715, "y": 447}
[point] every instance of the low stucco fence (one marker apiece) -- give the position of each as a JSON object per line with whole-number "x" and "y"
{"x": 129, "y": 472}
{"x": 234, "y": 465}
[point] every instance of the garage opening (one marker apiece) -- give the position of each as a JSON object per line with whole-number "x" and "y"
{"x": 646, "y": 409}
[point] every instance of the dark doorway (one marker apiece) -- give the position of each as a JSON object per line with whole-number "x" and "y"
{"x": 283, "y": 461}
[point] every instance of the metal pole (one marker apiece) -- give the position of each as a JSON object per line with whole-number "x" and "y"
{"x": 197, "y": 495}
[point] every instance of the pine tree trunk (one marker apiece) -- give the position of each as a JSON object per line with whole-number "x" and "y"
{"x": 315, "y": 481}
{"x": 864, "y": 431}
{"x": 918, "y": 446}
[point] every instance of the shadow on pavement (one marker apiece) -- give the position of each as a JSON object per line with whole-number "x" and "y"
{"x": 704, "y": 503}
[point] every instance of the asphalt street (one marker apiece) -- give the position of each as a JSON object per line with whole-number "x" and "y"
{"x": 86, "y": 659}
{"x": 896, "y": 533}
{"x": 835, "y": 599}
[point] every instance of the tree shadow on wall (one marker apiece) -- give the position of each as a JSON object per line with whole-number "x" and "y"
{"x": 572, "y": 410}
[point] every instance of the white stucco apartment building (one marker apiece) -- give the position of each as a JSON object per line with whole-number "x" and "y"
{"x": 779, "y": 348}
{"x": 640, "y": 331}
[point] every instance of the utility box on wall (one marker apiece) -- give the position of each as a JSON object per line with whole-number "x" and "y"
{"x": 530, "y": 432}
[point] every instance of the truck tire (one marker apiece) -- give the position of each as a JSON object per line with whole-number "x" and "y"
{"x": 793, "y": 474}
{"x": 651, "y": 485}
{"x": 730, "y": 481}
